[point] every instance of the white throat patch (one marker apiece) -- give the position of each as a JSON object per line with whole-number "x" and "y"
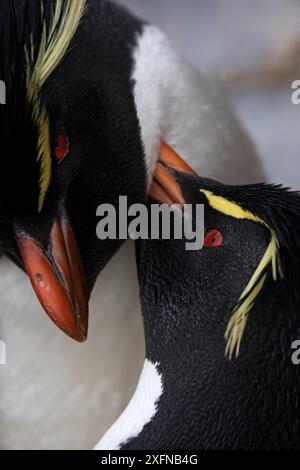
{"x": 140, "y": 410}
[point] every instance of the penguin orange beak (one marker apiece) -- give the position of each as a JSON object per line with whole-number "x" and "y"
{"x": 58, "y": 277}
{"x": 165, "y": 188}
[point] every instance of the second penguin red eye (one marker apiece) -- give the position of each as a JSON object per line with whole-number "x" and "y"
{"x": 213, "y": 238}
{"x": 61, "y": 145}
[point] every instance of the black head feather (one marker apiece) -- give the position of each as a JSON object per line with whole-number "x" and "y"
{"x": 278, "y": 274}
{"x": 277, "y": 206}
{"x": 19, "y": 170}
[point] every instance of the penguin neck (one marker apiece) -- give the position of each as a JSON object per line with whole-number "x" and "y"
{"x": 190, "y": 396}
{"x": 210, "y": 401}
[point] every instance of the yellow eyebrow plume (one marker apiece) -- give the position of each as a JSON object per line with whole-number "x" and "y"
{"x": 238, "y": 320}
{"x": 40, "y": 64}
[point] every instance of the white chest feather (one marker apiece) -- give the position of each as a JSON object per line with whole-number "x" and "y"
{"x": 140, "y": 411}
{"x": 177, "y": 103}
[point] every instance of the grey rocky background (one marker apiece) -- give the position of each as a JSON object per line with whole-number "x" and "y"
{"x": 220, "y": 36}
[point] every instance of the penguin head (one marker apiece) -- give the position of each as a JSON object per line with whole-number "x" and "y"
{"x": 192, "y": 299}
{"x": 72, "y": 142}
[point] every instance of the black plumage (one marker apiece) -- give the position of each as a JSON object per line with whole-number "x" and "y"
{"x": 209, "y": 401}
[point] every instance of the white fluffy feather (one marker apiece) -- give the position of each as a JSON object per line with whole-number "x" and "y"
{"x": 140, "y": 411}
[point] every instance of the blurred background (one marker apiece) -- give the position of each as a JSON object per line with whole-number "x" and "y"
{"x": 261, "y": 38}
{"x": 255, "y": 45}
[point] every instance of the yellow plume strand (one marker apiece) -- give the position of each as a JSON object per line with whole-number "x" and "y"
{"x": 238, "y": 320}
{"x": 52, "y": 48}
{"x": 221, "y": 204}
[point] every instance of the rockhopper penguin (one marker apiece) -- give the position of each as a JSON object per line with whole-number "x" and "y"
{"x": 197, "y": 391}
{"x": 91, "y": 94}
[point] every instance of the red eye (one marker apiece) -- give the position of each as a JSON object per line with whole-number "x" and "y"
{"x": 213, "y": 238}
{"x": 61, "y": 146}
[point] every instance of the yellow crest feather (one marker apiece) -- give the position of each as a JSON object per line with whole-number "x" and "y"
{"x": 238, "y": 320}
{"x": 53, "y": 46}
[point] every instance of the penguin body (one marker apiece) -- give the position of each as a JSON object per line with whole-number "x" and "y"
{"x": 147, "y": 93}
{"x": 190, "y": 394}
